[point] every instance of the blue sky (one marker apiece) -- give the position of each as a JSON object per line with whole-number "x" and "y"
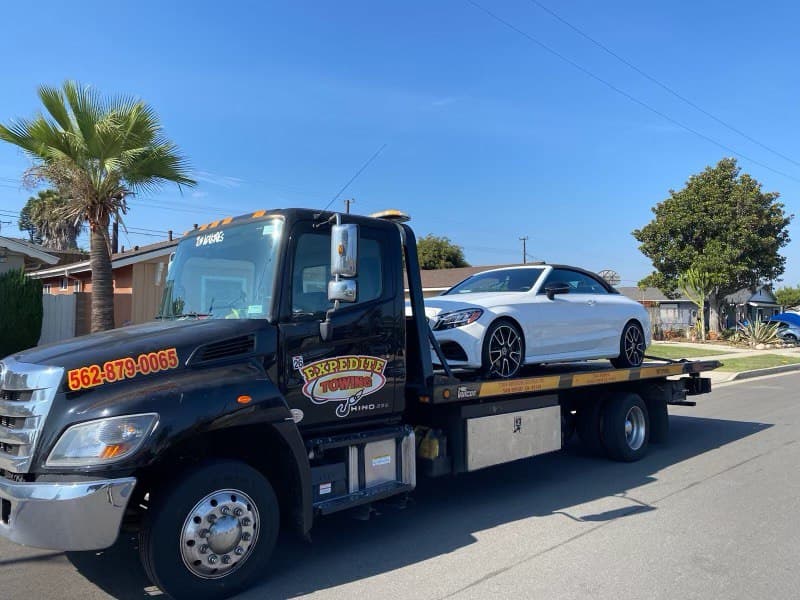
{"x": 488, "y": 137}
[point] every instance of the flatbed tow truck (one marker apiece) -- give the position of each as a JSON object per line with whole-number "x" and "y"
{"x": 281, "y": 382}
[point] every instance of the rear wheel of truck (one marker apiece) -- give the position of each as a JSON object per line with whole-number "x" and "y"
{"x": 625, "y": 427}
{"x": 210, "y": 534}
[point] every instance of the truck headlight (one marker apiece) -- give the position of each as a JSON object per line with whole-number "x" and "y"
{"x": 101, "y": 441}
{"x": 457, "y": 318}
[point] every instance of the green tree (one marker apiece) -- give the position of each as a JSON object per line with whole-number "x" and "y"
{"x": 97, "y": 151}
{"x": 436, "y": 252}
{"x": 44, "y": 218}
{"x": 21, "y": 316}
{"x": 788, "y": 297}
{"x": 721, "y": 223}
{"x": 697, "y": 286}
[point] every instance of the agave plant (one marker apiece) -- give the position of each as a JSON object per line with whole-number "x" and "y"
{"x": 758, "y": 332}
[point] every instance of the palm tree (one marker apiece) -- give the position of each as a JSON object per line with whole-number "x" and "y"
{"x": 43, "y": 216}
{"x": 97, "y": 151}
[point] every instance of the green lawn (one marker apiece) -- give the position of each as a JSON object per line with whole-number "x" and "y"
{"x": 760, "y": 361}
{"x": 674, "y": 351}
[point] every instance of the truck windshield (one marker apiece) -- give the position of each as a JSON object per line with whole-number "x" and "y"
{"x": 505, "y": 280}
{"x": 224, "y": 274}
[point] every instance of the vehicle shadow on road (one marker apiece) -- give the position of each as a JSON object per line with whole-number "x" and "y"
{"x": 443, "y": 516}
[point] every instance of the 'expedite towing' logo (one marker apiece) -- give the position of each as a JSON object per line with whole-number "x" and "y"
{"x": 345, "y": 379}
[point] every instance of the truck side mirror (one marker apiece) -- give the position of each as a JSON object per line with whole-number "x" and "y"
{"x": 344, "y": 250}
{"x": 343, "y": 290}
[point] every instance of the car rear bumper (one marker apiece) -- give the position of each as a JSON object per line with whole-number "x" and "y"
{"x": 83, "y": 515}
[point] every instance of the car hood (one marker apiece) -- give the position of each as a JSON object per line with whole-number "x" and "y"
{"x": 442, "y": 304}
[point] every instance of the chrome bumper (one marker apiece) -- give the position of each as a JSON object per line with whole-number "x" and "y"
{"x": 64, "y": 516}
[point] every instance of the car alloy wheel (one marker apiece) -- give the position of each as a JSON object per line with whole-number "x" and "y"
{"x": 504, "y": 350}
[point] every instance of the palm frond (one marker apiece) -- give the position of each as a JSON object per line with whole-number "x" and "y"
{"x": 54, "y": 102}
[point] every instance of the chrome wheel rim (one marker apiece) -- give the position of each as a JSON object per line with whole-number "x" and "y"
{"x": 219, "y": 534}
{"x": 634, "y": 428}
{"x": 633, "y": 344}
{"x": 505, "y": 351}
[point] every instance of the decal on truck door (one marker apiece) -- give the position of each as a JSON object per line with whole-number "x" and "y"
{"x": 344, "y": 380}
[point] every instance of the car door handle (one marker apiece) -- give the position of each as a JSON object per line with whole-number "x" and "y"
{"x": 591, "y": 302}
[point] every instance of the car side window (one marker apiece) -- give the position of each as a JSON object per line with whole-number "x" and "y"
{"x": 311, "y": 273}
{"x": 578, "y": 283}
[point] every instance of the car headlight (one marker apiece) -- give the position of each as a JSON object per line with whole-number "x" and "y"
{"x": 457, "y": 318}
{"x": 101, "y": 441}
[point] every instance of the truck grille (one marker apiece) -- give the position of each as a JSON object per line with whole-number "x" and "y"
{"x": 26, "y": 394}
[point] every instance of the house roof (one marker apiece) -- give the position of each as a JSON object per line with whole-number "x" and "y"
{"x": 28, "y": 249}
{"x": 649, "y": 294}
{"x": 762, "y": 296}
{"x": 120, "y": 259}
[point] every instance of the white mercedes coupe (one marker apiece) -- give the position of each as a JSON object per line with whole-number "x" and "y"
{"x": 499, "y": 320}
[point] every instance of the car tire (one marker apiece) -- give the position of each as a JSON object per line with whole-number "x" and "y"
{"x": 503, "y": 350}
{"x": 625, "y": 427}
{"x": 631, "y": 347}
{"x": 179, "y": 549}
{"x": 790, "y": 337}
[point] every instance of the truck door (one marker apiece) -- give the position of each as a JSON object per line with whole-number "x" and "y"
{"x": 354, "y": 375}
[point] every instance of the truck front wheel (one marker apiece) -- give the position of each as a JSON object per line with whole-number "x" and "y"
{"x": 211, "y": 533}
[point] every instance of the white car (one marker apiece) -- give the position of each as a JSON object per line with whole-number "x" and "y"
{"x": 499, "y": 320}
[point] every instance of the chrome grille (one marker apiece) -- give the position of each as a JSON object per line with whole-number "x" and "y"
{"x": 26, "y": 394}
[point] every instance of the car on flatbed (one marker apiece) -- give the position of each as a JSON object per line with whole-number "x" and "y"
{"x": 500, "y": 320}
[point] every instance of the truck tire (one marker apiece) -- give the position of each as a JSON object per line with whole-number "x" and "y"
{"x": 659, "y": 420}
{"x": 625, "y": 427}
{"x": 210, "y": 534}
{"x": 587, "y": 424}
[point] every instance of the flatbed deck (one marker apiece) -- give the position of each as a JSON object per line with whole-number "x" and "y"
{"x": 563, "y": 376}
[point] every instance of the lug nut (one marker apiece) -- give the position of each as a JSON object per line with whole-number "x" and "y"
{"x": 204, "y": 549}
{"x": 246, "y": 522}
{"x": 226, "y": 559}
{"x": 246, "y": 537}
{"x": 212, "y": 560}
{"x": 211, "y": 518}
{"x": 225, "y": 510}
{"x": 204, "y": 533}
{"x": 239, "y": 551}
{"x": 238, "y": 512}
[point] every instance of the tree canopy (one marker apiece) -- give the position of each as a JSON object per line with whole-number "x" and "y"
{"x": 96, "y": 151}
{"x": 722, "y": 224}
{"x": 788, "y": 297}
{"x": 44, "y": 219}
{"x": 438, "y": 252}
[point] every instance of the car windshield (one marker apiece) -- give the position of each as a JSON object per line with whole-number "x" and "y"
{"x": 224, "y": 274}
{"x": 504, "y": 280}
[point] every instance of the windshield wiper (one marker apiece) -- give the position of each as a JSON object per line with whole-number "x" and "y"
{"x": 196, "y": 315}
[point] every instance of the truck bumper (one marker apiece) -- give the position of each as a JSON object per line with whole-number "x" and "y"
{"x": 83, "y": 515}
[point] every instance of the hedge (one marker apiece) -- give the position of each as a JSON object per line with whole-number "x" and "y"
{"x": 20, "y": 312}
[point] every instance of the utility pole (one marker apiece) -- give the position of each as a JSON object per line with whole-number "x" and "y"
{"x": 348, "y": 202}
{"x": 524, "y": 249}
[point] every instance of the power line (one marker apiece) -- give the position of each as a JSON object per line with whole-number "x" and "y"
{"x": 622, "y": 92}
{"x": 659, "y": 83}
{"x": 353, "y": 178}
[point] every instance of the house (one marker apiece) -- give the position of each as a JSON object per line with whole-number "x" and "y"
{"x": 16, "y": 253}
{"x": 666, "y": 314}
{"x": 138, "y": 279}
{"x": 749, "y": 305}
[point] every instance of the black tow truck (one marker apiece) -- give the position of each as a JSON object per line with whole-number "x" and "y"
{"x": 282, "y": 380}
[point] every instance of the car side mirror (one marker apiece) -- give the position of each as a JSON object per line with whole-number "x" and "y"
{"x": 552, "y": 289}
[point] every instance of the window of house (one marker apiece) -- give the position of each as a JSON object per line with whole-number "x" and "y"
{"x": 64, "y": 283}
{"x": 46, "y": 288}
{"x": 77, "y": 285}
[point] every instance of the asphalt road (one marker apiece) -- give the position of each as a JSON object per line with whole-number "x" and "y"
{"x": 715, "y": 513}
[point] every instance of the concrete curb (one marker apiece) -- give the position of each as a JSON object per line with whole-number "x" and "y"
{"x": 761, "y": 372}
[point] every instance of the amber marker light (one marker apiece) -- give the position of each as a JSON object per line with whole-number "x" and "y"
{"x": 446, "y": 394}
{"x": 244, "y": 400}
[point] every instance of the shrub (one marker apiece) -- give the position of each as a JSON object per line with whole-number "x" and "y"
{"x": 759, "y": 332}
{"x": 20, "y": 312}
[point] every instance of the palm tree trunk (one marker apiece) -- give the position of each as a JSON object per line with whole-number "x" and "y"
{"x": 102, "y": 279}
